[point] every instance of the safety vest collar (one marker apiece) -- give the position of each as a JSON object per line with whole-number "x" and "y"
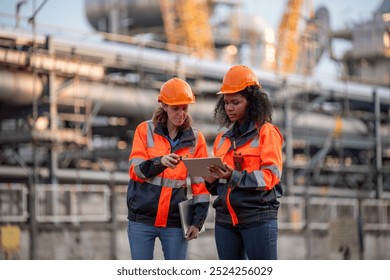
{"x": 244, "y": 138}
{"x": 187, "y": 139}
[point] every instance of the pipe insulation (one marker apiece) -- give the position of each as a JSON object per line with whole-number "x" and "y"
{"x": 125, "y": 101}
{"x": 111, "y": 54}
{"x": 19, "y": 88}
{"x": 16, "y": 88}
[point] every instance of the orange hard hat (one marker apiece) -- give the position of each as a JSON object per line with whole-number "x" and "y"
{"x": 238, "y": 78}
{"x": 175, "y": 91}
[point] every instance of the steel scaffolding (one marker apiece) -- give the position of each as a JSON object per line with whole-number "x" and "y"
{"x": 67, "y": 166}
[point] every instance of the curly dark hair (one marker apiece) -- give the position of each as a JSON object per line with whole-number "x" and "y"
{"x": 259, "y": 107}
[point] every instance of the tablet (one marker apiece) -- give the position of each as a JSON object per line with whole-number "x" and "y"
{"x": 198, "y": 166}
{"x": 186, "y": 210}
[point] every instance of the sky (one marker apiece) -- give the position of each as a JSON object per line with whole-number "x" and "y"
{"x": 70, "y": 14}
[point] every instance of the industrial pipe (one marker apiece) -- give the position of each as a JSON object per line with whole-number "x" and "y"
{"x": 124, "y": 101}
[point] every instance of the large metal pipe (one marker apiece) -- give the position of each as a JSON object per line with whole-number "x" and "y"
{"x": 125, "y": 101}
{"x": 130, "y": 16}
{"x": 133, "y": 13}
{"x": 113, "y": 100}
{"x": 159, "y": 61}
{"x": 19, "y": 88}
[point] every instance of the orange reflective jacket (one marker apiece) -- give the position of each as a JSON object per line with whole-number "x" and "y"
{"x": 154, "y": 190}
{"x": 251, "y": 194}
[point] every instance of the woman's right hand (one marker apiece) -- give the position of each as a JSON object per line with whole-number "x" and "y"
{"x": 209, "y": 179}
{"x": 170, "y": 160}
{"x": 218, "y": 173}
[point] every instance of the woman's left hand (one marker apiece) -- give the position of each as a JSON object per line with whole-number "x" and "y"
{"x": 192, "y": 233}
{"x": 219, "y": 173}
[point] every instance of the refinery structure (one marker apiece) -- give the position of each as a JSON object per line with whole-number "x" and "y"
{"x": 70, "y": 104}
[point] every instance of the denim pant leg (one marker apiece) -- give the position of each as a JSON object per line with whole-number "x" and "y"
{"x": 229, "y": 243}
{"x": 141, "y": 240}
{"x": 174, "y": 245}
{"x": 260, "y": 242}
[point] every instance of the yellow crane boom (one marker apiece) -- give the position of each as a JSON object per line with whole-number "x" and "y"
{"x": 186, "y": 23}
{"x": 287, "y": 48}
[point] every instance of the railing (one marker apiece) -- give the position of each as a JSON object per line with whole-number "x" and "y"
{"x": 93, "y": 203}
{"x": 13, "y": 203}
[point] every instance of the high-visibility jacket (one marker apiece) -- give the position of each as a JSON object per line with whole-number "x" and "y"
{"x": 251, "y": 195}
{"x": 154, "y": 190}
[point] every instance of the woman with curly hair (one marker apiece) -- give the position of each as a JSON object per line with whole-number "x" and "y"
{"x": 249, "y": 186}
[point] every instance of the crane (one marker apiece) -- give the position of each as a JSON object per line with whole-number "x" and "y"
{"x": 186, "y": 23}
{"x": 288, "y": 38}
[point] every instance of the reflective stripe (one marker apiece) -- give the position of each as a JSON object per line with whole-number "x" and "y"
{"x": 274, "y": 169}
{"x": 136, "y": 161}
{"x": 255, "y": 142}
{"x": 202, "y": 198}
{"x": 197, "y": 180}
{"x": 138, "y": 172}
{"x": 259, "y": 178}
{"x": 193, "y": 149}
{"x": 149, "y": 139}
{"x": 221, "y": 141}
{"x": 164, "y": 182}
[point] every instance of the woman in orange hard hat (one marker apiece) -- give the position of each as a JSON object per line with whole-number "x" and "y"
{"x": 249, "y": 187}
{"x": 158, "y": 178}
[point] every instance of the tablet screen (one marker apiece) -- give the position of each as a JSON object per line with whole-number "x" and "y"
{"x": 198, "y": 166}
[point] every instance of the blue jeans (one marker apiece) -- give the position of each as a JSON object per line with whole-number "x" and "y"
{"x": 142, "y": 238}
{"x": 255, "y": 243}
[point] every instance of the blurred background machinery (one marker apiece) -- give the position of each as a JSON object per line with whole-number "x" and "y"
{"x": 368, "y": 59}
{"x": 302, "y": 37}
{"x": 69, "y": 107}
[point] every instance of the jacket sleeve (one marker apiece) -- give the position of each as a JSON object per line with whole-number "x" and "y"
{"x": 271, "y": 163}
{"x": 212, "y": 187}
{"x": 199, "y": 191}
{"x": 141, "y": 167}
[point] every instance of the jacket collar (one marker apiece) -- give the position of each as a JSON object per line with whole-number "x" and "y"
{"x": 186, "y": 139}
{"x": 251, "y": 131}
{"x": 244, "y": 129}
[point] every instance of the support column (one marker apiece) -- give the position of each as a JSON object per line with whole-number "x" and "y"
{"x": 378, "y": 146}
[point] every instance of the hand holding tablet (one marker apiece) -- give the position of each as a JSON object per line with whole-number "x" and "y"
{"x": 199, "y": 166}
